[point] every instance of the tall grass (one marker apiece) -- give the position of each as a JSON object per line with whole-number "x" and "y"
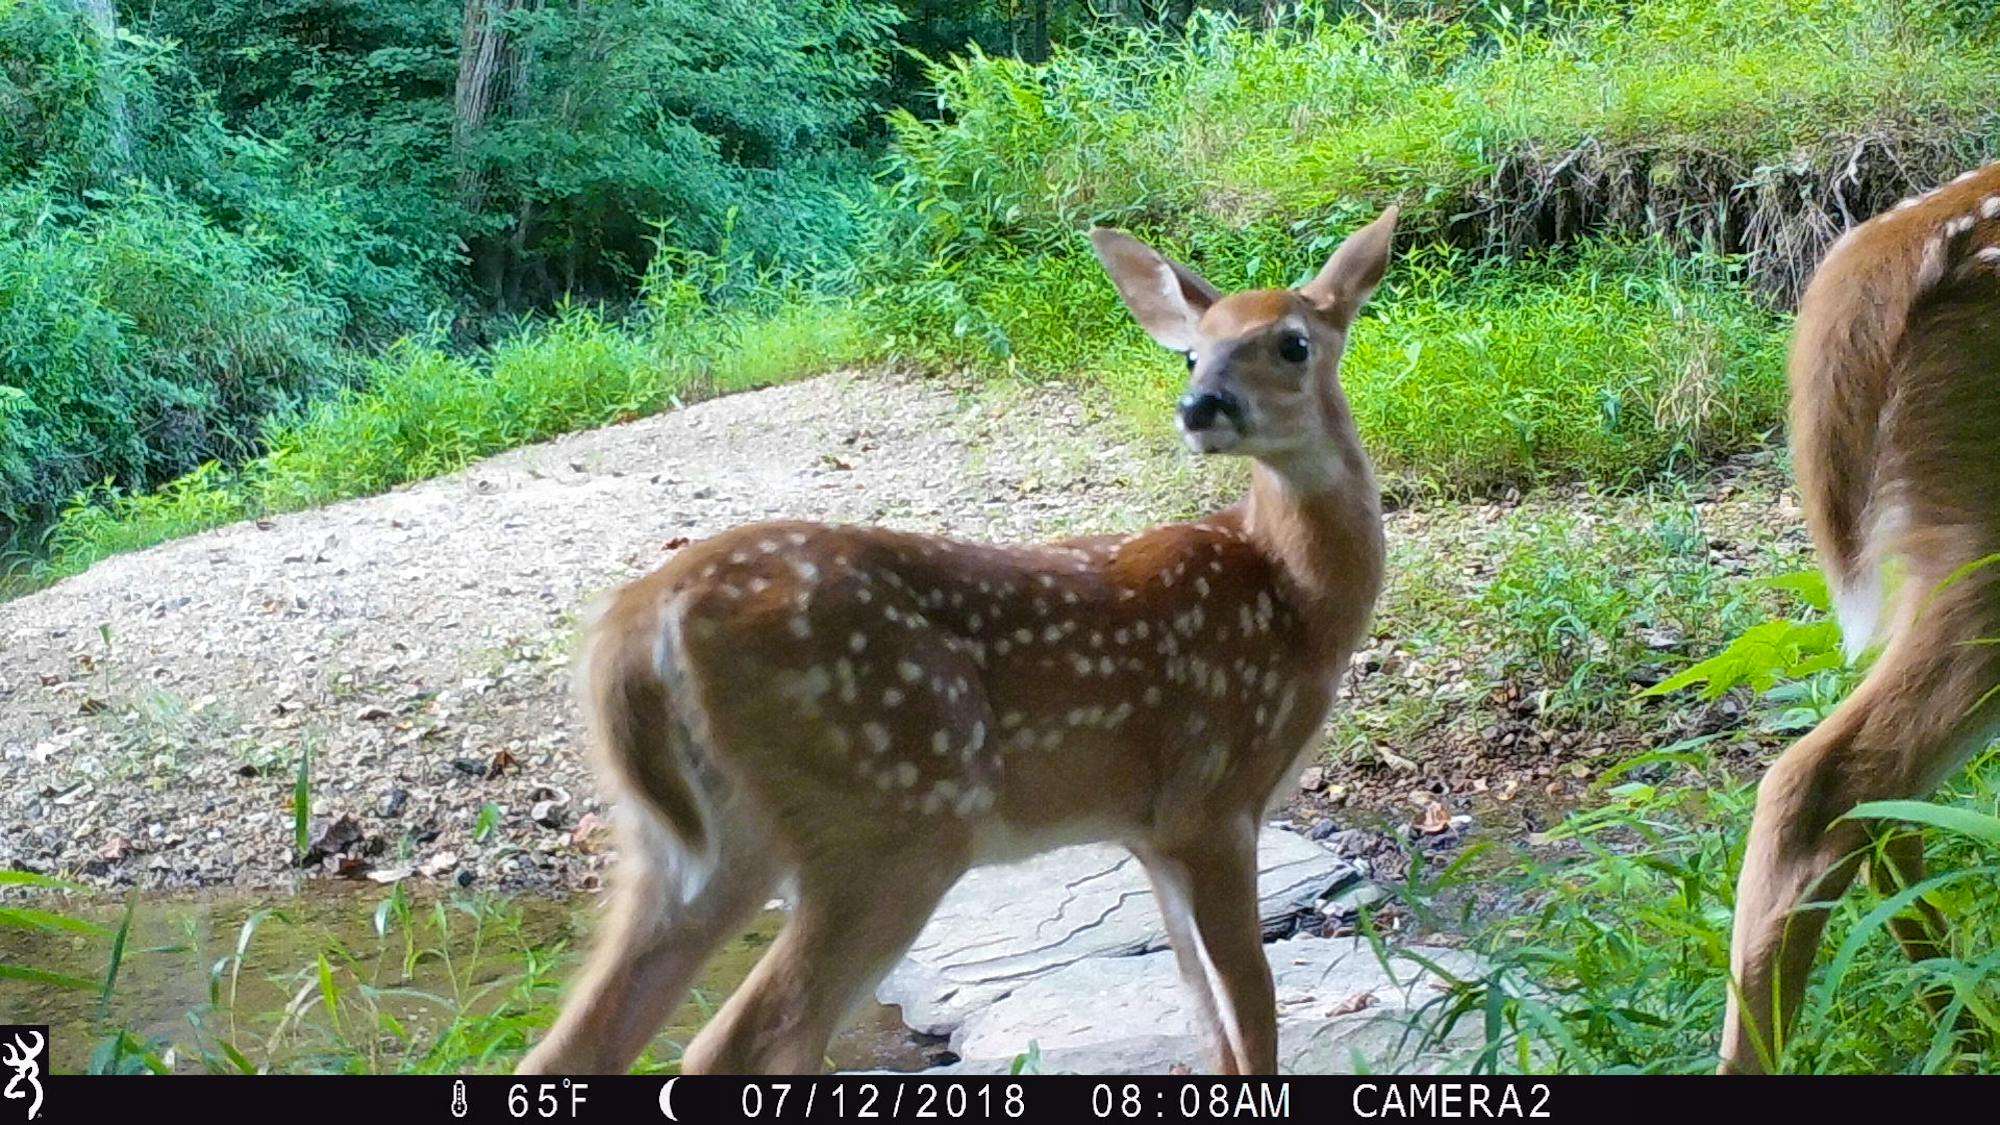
{"x": 456, "y": 984}
{"x": 1608, "y": 362}
{"x": 1225, "y": 127}
{"x": 1611, "y": 952}
{"x": 421, "y": 411}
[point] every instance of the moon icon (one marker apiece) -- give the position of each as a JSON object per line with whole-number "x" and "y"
{"x": 667, "y": 1098}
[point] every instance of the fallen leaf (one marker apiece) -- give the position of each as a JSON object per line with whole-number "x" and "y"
{"x": 501, "y": 762}
{"x": 1435, "y": 820}
{"x": 675, "y": 544}
{"x": 350, "y": 867}
{"x": 589, "y": 834}
{"x": 1395, "y": 760}
{"x": 1353, "y": 1004}
{"x": 117, "y": 848}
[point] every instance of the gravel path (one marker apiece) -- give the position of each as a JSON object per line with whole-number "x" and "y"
{"x": 153, "y": 710}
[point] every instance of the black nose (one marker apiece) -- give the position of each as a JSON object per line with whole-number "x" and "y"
{"x": 1198, "y": 411}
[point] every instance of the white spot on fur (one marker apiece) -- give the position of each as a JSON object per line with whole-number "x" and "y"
{"x": 892, "y": 697}
{"x": 877, "y": 736}
{"x": 1858, "y": 606}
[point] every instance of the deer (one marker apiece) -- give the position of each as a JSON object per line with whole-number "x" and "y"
{"x": 862, "y": 714}
{"x": 1894, "y": 374}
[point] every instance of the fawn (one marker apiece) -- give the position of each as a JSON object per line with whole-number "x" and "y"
{"x": 870, "y": 713}
{"x": 1895, "y": 431}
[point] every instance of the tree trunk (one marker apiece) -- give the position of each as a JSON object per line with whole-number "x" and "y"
{"x": 492, "y": 83}
{"x": 485, "y": 58}
{"x": 103, "y": 18}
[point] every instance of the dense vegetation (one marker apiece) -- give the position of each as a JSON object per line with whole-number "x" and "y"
{"x": 226, "y": 228}
{"x": 259, "y": 256}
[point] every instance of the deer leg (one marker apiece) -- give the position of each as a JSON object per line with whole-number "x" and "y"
{"x": 667, "y": 918}
{"x": 1173, "y": 887}
{"x": 840, "y": 941}
{"x": 1906, "y": 727}
{"x": 1221, "y": 873}
{"x": 1896, "y": 865}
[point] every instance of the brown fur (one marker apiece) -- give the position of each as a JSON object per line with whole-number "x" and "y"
{"x": 873, "y": 712}
{"x": 1896, "y": 438}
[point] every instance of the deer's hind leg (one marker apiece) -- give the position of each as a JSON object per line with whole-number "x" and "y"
{"x": 1921, "y": 711}
{"x": 859, "y": 909}
{"x": 669, "y": 913}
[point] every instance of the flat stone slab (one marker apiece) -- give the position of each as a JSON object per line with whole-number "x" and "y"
{"x": 1339, "y": 1005}
{"x": 1006, "y": 926}
{"x": 1066, "y": 951}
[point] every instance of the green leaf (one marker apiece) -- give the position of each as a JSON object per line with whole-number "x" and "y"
{"x": 43, "y": 976}
{"x": 26, "y": 918}
{"x": 1808, "y": 585}
{"x": 1964, "y": 822}
{"x": 30, "y": 879}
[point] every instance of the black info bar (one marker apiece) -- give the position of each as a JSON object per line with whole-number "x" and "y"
{"x": 293, "y": 1100}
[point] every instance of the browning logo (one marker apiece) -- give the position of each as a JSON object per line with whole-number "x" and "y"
{"x": 23, "y": 1051}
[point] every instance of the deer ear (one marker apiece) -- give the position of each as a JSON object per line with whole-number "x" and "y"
{"x": 1165, "y": 297}
{"x": 1344, "y": 284}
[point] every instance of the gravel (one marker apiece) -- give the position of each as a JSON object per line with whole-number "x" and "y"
{"x": 154, "y": 710}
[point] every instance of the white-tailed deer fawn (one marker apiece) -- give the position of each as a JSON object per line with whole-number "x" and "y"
{"x": 871, "y": 713}
{"x": 1895, "y": 382}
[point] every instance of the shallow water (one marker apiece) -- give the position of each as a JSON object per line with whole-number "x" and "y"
{"x": 179, "y": 957}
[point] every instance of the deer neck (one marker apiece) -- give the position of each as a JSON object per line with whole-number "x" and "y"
{"x": 1320, "y": 520}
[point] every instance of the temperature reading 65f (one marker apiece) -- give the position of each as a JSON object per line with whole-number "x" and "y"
{"x": 545, "y": 1099}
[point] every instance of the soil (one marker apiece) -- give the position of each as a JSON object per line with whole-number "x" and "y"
{"x": 415, "y": 646}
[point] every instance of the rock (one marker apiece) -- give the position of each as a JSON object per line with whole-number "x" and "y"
{"x": 1313, "y": 779}
{"x": 392, "y": 804}
{"x": 1006, "y": 925}
{"x": 332, "y": 839}
{"x": 1321, "y": 829}
{"x": 1132, "y": 1015}
{"x": 1350, "y": 900}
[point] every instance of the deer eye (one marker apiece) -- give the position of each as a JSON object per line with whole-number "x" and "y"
{"x": 1190, "y": 359}
{"x": 1293, "y": 347}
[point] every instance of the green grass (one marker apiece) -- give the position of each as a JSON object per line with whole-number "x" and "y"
{"x": 454, "y": 985}
{"x": 1227, "y": 128}
{"x": 425, "y": 412}
{"x": 1605, "y": 362}
{"x": 1614, "y": 957}
{"x": 1607, "y": 940}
